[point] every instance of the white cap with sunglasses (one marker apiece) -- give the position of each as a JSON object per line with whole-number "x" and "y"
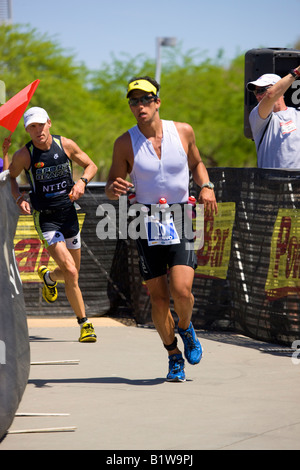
{"x": 263, "y": 81}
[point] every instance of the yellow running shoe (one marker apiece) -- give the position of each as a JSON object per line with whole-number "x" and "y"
{"x": 49, "y": 292}
{"x": 87, "y": 334}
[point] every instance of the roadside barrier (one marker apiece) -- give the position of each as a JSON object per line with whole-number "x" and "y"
{"x": 14, "y": 341}
{"x": 248, "y": 274}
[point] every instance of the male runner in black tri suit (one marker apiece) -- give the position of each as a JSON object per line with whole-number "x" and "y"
{"x": 47, "y": 161}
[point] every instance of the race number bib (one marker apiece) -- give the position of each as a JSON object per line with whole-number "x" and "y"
{"x": 160, "y": 233}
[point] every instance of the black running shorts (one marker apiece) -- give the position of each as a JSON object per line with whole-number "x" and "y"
{"x": 154, "y": 261}
{"x": 58, "y": 225}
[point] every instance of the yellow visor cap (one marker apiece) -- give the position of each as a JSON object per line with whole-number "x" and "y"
{"x": 143, "y": 85}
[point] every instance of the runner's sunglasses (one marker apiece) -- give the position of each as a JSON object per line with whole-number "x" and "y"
{"x": 145, "y": 99}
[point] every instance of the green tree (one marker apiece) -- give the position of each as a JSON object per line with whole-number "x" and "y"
{"x": 207, "y": 95}
{"x": 26, "y": 56}
{"x": 210, "y": 97}
{"x": 91, "y": 107}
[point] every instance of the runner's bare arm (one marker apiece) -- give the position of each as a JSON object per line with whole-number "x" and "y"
{"x": 196, "y": 166}
{"x": 5, "y": 147}
{"x": 122, "y": 162}
{"x": 20, "y": 161}
{"x": 77, "y": 155}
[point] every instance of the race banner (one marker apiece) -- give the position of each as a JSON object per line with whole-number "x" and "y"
{"x": 214, "y": 256}
{"x": 284, "y": 270}
{"x": 30, "y": 251}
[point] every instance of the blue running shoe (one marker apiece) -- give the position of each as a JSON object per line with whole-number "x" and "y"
{"x": 176, "y": 368}
{"x": 192, "y": 346}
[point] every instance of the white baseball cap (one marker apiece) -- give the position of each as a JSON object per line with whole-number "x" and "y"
{"x": 264, "y": 80}
{"x": 35, "y": 114}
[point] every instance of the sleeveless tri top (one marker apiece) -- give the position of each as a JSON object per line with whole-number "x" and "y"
{"x": 49, "y": 176}
{"x": 154, "y": 178}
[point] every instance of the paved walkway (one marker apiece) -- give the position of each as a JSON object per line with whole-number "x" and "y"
{"x": 112, "y": 394}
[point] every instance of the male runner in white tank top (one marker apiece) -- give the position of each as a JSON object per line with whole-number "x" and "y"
{"x": 158, "y": 156}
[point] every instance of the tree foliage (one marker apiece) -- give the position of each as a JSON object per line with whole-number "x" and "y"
{"x": 91, "y": 108}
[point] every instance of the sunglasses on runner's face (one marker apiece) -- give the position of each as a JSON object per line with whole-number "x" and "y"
{"x": 261, "y": 91}
{"x": 145, "y": 99}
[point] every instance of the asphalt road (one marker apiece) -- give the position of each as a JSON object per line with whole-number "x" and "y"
{"x": 112, "y": 395}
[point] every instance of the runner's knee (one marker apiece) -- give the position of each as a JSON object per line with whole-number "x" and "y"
{"x": 182, "y": 294}
{"x": 70, "y": 272}
{"x": 160, "y": 301}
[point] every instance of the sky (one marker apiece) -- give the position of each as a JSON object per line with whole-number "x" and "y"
{"x": 93, "y": 30}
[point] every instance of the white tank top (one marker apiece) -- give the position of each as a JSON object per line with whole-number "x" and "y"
{"x": 154, "y": 178}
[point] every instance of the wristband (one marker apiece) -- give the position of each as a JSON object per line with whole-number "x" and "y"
{"x": 84, "y": 180}
{"x": 207, "y": 185}
{"x": 18, "y": 199}
{"x": 295, "y": 73}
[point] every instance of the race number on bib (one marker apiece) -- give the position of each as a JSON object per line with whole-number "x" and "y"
{"x": 160, "y": 233}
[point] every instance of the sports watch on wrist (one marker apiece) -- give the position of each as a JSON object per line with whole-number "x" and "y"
{"x": 208, "y": 185}
{"x": 84, "y": 180}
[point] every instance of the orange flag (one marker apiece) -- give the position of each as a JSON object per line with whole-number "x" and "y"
{"x": 12, "y": 111}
